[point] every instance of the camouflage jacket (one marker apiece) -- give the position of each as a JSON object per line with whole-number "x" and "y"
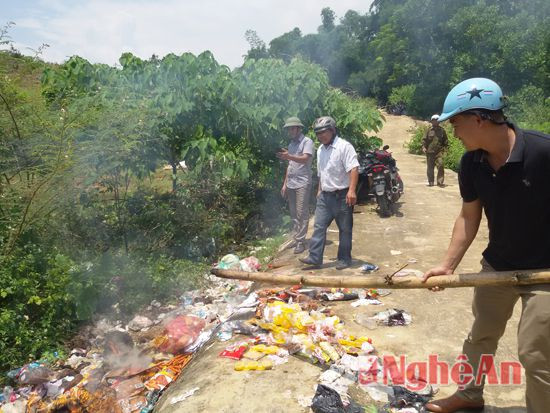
{"x": 435, "y": 140}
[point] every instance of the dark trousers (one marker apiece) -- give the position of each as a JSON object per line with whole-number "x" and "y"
{"x": 332, "y": 206}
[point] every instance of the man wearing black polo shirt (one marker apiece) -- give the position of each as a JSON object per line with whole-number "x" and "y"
{"x": 506, "y": 174}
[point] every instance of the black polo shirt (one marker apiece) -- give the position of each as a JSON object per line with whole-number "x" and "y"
{"x": 516, "y": 201}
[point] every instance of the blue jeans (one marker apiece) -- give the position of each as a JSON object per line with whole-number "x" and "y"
{"x": 332, "y": 206}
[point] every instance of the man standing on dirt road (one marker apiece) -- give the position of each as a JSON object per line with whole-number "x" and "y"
{"x": 337, "y": 166}
{"x": 297, "y": 183}
{"x": 505, "y": 173}
{"x": 433, "y": 145}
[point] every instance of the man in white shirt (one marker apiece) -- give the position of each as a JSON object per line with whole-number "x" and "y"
{"x": 297, "y": 183}
{"x": 337, "y": 170}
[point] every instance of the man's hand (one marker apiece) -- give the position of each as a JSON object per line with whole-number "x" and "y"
{"x": 437, "y": 271}
{"x": 283, "y": 191}
{"x": 351, "y": 198}
{"x": 424, "y": 150}
{"x": 283, "y": 154}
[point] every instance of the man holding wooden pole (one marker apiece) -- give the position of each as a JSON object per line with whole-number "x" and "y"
{"x": 506, "y": 174}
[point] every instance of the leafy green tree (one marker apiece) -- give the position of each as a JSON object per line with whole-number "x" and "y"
{"x": 327, "y": 18}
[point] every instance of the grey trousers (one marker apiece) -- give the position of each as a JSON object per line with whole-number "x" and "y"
{"x": 298, "y": 204}
{"x": 332, "y": 206}
{"x": 492, "y": 308}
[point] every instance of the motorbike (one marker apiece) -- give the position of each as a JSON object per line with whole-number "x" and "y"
{"x": 379, "y": 178}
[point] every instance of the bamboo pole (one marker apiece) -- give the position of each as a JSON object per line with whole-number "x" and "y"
{"x": 501, "y": 278}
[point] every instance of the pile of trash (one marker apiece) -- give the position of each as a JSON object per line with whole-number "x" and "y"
{"x": 295, "y": 322}
{"x": 124, "y": 368}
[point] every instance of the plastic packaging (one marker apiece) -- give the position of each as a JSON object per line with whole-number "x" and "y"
{"x": 34, "y": 373}
{"x": 181, "y": 332}
{"x": 250, "y": 264}
{"x": 327, "y": 400}
{"x": 246, "y": 365}
{"x": 368, "y": 267}
{"x": 366, "y": 321}
{"x": 235, "y": 351}
{"x": 229, "y": 261}
{"x": 262, "y": 348}
{"x": 327, "y": 348}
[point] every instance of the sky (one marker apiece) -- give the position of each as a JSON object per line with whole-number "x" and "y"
{"x": 101, "y": 30}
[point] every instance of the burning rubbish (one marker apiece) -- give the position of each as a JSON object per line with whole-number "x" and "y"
{"x": 125, "y": 369}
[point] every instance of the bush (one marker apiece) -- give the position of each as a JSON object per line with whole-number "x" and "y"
{"x": 452, "y": 155}
{"x": 530, "y": 108}
{"x": 402, "y": 94}
{"x": 118, "y": 284}
{"x": 37, "y": 309}
{"x": 44, "y": 295}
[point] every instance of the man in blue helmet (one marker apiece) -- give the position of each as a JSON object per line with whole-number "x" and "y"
{"x": 506, "y": 174}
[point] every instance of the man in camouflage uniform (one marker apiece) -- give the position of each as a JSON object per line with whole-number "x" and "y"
{"x": 433, "y": 145}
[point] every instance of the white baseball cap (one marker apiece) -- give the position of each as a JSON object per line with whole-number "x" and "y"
{"x": 435, "y": 117}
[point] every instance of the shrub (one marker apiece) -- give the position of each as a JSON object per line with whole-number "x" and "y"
{"x": 37, "y": 308}
{"x": 44, "y": 295}
{"x": 118, "y": 284}
{"x": 530, "y": 108}
{"x": 402, "y": 94}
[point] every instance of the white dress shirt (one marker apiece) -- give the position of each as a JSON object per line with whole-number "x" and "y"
{"x": 334, "y": 162}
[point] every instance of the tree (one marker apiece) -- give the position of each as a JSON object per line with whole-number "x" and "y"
{"x": 257, "y": 46}
{"x": 327, "y": 18}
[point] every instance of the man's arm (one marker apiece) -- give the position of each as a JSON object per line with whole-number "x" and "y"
{"x": 351, "y": 197}
{"x": 425, "y": 141}
{"x": 464, "y": 232}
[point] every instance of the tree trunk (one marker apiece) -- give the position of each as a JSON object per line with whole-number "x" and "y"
{"x": 174, "y": 176}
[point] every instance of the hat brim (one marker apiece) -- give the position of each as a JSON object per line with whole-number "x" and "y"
{"x": 446, "y": 116}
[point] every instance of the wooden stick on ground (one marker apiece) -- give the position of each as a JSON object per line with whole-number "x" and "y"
{"x": 508, "y": 278}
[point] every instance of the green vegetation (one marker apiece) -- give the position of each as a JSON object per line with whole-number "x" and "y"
{"x": 414, "y": 51}
{"x": 98, "y": 214}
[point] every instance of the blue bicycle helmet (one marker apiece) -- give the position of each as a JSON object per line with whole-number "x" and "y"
{"x": 475, "y": 93}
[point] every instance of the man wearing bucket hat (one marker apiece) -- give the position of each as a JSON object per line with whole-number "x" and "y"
{"x": 504, "y": 173}
{"x": 297, "y": 183}
{"x": 433, "y": 145}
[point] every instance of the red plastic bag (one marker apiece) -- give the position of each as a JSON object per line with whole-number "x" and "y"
{"x": 181, "y": 332}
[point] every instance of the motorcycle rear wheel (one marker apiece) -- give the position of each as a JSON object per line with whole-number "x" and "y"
{"x": 384, "y": 207}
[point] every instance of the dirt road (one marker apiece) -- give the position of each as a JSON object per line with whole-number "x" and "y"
{"x": 441, "y": 320}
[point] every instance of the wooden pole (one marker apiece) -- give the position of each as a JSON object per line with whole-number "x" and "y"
{"x": 501, "y": 278}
